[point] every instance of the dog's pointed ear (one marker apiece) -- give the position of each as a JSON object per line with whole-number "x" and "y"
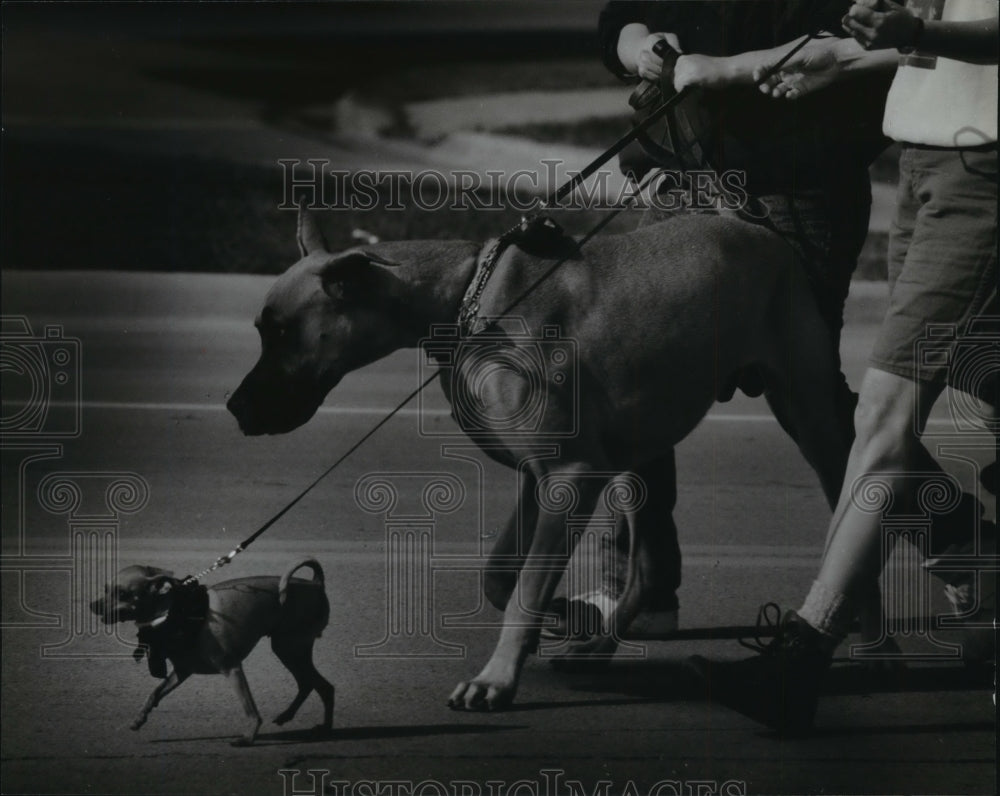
{"x": 309, "y": 234}
{"x": 359, "y": 277}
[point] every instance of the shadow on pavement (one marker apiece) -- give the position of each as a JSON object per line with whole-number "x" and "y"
{"x": 938, "y": 728}
{"x": 650, "y": 680}
{"x": 673, "y": 681}
{"x": 859, "y": 679}
{"x": 314, "y": 735}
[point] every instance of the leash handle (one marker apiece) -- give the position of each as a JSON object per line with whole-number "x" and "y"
{"x": 648, "y": 91}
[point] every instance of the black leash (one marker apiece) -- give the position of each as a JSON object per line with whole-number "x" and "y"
{"x": 223, "y": 560}
{"x": 552, "y": 200}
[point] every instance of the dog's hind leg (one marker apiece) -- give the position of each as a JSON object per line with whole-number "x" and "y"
{"x": 511, "y": 545}
{"x": 239, "y": 682}
{"x": 174, "y": 679}
{"x": 296, "y": 653}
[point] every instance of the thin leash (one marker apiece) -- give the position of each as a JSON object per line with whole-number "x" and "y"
{"x": 553, "y": 200}
{"x": 228, "y": 557}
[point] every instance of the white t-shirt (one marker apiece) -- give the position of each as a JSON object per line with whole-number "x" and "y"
{"x": 940, "y": 101}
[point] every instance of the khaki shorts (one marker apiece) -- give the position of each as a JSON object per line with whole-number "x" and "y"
{"x": 941, "y": 325}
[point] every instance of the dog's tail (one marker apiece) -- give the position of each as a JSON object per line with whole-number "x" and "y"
{"x": 317, "y": 577}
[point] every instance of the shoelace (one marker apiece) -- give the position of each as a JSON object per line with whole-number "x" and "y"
{"x": 769, "y": 619}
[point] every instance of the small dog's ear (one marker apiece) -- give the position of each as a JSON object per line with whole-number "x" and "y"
{"x": 161, "y": 584}
{"x": 309, "y": 234}
{"x": 359, "y": 278}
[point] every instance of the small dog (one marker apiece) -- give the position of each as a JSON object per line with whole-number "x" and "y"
{"x": 211, "y": 631}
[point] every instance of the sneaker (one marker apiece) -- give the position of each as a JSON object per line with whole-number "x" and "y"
{"x": 977, "y": 610}
{"x": 582, "y": 617}
{"x": 979, "y": 642}
{"x": 780, "y": 686}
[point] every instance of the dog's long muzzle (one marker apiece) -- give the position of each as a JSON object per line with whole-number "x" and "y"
{"x": 264, "y": 404}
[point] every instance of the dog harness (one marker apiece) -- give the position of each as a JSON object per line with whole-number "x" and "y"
{"x": 176, "y": 629}
{"x": 536, "y": 234}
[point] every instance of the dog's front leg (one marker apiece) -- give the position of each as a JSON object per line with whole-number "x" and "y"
{"x": 511, "y": 545}
{"x": 167, "y": 685}
{"x": 495, "y": 686}
{"x": 239, "y": 682}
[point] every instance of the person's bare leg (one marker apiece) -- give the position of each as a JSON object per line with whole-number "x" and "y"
{"x": 891, "y": 414}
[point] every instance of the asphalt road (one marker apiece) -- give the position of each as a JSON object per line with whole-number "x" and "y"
{"x": 158, "y": 356}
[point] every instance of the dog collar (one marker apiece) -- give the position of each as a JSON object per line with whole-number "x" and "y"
{"x": 486, "y": 264}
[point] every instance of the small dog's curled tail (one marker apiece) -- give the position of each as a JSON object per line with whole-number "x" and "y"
{"x": 317, "y": 577}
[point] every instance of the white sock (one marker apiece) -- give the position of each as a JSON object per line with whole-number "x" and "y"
{"x": 827, "y": 611}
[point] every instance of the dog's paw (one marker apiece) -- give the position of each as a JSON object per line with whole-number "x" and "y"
{"x": 479, "y": 695}
{"x": 284, "y": 717}
{"x": 137, "y": 723}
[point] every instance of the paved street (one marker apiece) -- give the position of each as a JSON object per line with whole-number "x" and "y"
{"x": 137, "y": 461}
{"x": 160, "y": 354}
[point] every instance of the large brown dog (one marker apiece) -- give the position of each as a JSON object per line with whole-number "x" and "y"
{"x": 239, "y": 612}
{"x": 660, "y": 320}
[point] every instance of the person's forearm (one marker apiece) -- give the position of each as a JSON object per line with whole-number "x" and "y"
{"x": 738, "y": 70}
{"x": 629, "y": 41}
{"x": 975, "y": 41}
{"x": 853, "y": 58}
